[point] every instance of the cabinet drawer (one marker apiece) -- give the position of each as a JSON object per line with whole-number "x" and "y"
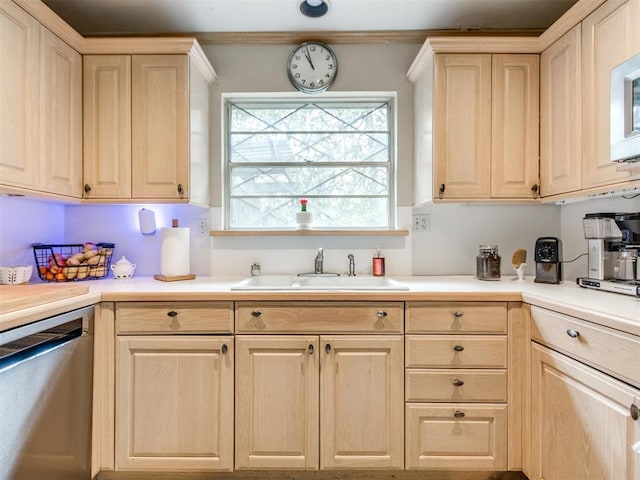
{"x": 615, "y": 352}
{"x": 319, "y": 317}
{"x": 456, "y": 317}
{"x": 480, "y": 351}
{"x": 174, "y": 317}
{"x": 456, "y": 436}
{"x": 456, "y": 385}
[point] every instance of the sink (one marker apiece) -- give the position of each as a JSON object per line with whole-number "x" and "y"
{"x": 293, "y": 282}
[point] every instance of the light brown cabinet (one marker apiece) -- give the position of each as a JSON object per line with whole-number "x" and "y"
{"x": 456, "y": 385}
{"x": 476, "y": 122}
{"x": 174, "y": 390}
{"x": 560, "y": 116}
{"x": 40, "y": 88}
{"x": 575, "y": 86}
{"x": 309, "y": 402}
{"x": 318, "y": 401}
{"x": 146, "y": 123}
{"x": 610, "y": 35}
{"x": 581, "y": 425}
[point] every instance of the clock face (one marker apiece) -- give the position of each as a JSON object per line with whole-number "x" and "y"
{"x": 312, "y": 67}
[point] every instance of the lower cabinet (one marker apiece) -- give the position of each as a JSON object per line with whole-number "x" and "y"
{"x": 456, "y": 436}
{"x": 457, "y": 386}
{"x": 174, "y": 386}
{"x": 328, "y": 401}
{"x": 582, "y": 427}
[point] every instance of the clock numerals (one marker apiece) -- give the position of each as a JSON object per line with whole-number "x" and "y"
{"x": 312, "y": 67}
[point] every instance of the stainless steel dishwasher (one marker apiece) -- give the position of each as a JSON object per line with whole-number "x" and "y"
{"x": 46, "y": 376}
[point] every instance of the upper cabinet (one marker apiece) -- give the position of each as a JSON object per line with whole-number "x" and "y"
{"x": 476, "y": 123}
{"x": 41, "y": 121}
{"x": 574, "y": 116}
{"x": 146, "y": 127}
{"x": 101, "y": 120}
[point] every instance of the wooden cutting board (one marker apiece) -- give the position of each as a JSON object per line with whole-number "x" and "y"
{"x": 16, "y": 297}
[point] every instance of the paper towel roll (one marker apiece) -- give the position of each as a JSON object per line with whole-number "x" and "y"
{"x": 174, "y": 252}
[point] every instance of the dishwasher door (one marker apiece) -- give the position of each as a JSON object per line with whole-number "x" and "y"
{"x": 46, "y": 376}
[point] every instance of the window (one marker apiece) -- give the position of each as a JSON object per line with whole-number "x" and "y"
{"x": 335, "y": 152}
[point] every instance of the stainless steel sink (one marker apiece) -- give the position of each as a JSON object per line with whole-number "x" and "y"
{"x": 333, "y": 283}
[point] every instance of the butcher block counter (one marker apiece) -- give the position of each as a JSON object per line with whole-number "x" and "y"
{"x": 616, "y": 311}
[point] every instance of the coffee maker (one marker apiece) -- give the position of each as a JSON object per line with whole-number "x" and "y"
{"x": 613, "y": 241}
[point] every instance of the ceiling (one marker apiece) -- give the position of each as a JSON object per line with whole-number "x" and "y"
{"x": 104, "y": 17}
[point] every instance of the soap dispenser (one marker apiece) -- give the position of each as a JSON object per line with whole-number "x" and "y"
{"x": 378, "y": 264}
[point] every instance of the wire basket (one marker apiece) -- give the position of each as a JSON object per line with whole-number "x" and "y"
{"x": 73, "y": 262}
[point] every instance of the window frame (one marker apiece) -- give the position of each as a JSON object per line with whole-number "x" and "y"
{"x": 276, "y": 97}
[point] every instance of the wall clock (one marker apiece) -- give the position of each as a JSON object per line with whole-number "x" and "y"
{"x": 312, "y": 67}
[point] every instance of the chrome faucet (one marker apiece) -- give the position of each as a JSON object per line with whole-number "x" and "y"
{"x": 318, "y": 262}
{"x": 352, "y": 265}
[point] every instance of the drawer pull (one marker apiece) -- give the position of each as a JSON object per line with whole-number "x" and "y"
{"x": 172, "y": 313}
{"x": 458, "y": 348}
{"x": 458, "y": 414}
{"x": 327, "y": 348}
{"x": 458, "y": 314}
{"x": 634, "y": 410}
{"x": 310, "y": 349}
{"x": 458, "y": 383}
{"x": 573, "y": 333}
{"x": 256, "y": 313}
{"x": 224, "y": 349}
{"x": 381, "y": 314}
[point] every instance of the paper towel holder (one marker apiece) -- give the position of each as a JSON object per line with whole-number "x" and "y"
{"x": 147, "y": 221}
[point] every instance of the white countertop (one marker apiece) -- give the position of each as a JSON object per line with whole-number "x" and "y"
{"x": 613, "y": 310}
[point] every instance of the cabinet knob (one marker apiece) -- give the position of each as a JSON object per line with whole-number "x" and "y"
{"x": 310, "y": 349}
{"x": 458, "y": 414}
{"x": 87, "y": 188}
{"x": 535, "y": 189}
{"x": 172, "y": 313}
{"x": 327, "y": 348}
{"x": 381, "y": 314}
{"x": 634, "y": 410}
{"x": 224, "y": 349}
{"x": 441, "y": 191}
{"x": 458, "y": 314}
{"x": 458, "y": 383}
{"x": 458, "y": 348}
{"x": 573, "y": 333}
{"x": 256, "y": 313}
{"x": 180, "y": 189}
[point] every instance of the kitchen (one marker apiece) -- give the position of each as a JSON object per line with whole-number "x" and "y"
{"x": 422, "y": 253}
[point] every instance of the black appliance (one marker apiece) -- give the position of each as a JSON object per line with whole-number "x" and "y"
{"x": 548, "y": 258}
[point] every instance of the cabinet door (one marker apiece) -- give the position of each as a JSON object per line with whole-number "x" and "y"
{"x": 457, "y": 436}
{"x": 174, "y": 403}
{"x": 107, "y": 126}
{"x": 19, "y": 97}
{"x": 560, "y": 107}
{"x": 514, "y": 139}
{"x": 160, "y": 126}
{"x": 462, "y": 125}
{"x": 581, "y": 425}
{"x": 277, "y": 402}
{"x": 610, "y": 35}
{"x": 61, "y": 127}
{"x": 362, "y": 400}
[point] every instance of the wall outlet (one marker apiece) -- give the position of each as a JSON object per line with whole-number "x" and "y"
{"x": 421, "y": 223}
{"x": 203, "y": 226}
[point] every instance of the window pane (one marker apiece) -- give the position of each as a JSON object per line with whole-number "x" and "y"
{"x": 305, "y": 181}
{"x": 335, "y": 153}
{"x": 265, "y": 212}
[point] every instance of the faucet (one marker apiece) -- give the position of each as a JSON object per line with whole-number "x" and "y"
{"x": 352, "y": 266}
{"x": 318, "y": 262}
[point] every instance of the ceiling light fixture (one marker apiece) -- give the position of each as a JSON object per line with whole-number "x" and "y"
{"x": 314, "y": 8}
